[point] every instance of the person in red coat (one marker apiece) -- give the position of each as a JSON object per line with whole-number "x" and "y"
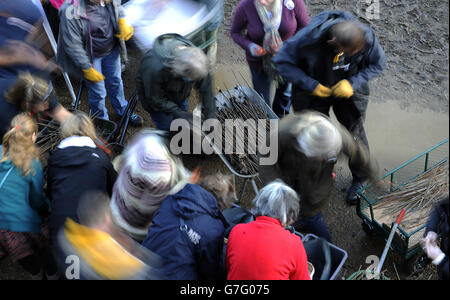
{"x": 264, "y": 249}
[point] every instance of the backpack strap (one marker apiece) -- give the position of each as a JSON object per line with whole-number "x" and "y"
{"x": 6, "y": 176}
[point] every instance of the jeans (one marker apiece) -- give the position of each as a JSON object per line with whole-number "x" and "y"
{"x": 110, "y": 67}
{"x": 163, "y": 120}
{"x": 282, "y": 100}
{"x": 315, "y": 225}
{"x": 261, "y": 84}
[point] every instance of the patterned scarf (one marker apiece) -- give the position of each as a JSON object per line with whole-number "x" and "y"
{"x": 272, "y": 39}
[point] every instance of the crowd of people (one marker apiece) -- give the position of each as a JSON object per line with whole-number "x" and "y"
{"x": 144, "y": 215}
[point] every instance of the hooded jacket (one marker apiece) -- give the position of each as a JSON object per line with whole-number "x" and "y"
{"x": 300, "y": 62}
{"x": 312, "y": 178}
{"x": 104, "y": 258}
{"x": 188, "y": 233}
{"x": 159, "y": 89}
{"x": 72, "y": 171}
{"x": 21, "y": 198}
{"x": 75, "y": 52}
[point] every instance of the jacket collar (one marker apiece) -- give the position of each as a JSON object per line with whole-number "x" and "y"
{"x": 77, "y": 141}
{"x": 266, "y": 219}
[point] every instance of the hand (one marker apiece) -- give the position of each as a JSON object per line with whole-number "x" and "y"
{"x": 257, "y": 50}
{"x": 93, "y": 75}
{"x": 342, "y": 89}
{"x": 125, "y": 31}
{"x": 433, "y": 251}
{"x": 321, "y": 91}
{"x": 431, "y": 237}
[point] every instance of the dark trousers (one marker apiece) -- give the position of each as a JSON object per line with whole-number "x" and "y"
{"x": 282, "y": 99}
{"x": 350, "y": 112}
{"x": 315, "y": 225}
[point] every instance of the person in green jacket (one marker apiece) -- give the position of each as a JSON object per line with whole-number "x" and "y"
{"x": 165, "y": 79}
{"x": 22, "y": 200}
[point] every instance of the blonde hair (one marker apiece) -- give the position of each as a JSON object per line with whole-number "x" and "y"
{"x": 28, "y": 91}
{"x": 18, "y": 144}
{"x": 78, "y": 124}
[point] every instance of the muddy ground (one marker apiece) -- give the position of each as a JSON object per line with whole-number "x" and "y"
{"x": 414, "y": 35}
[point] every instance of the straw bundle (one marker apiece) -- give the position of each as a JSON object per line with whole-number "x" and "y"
{"x": 417, "y": 197}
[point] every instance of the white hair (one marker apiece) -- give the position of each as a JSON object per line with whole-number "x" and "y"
{"x": 319, "y": 137}
{"x": 279, "y": 201}
{"x": 190, "y": 62}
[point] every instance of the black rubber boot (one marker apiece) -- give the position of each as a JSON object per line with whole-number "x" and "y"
{"x": 353, "y": 196}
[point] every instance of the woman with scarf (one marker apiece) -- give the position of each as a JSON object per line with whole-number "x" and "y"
{"x": 268, "y": 23}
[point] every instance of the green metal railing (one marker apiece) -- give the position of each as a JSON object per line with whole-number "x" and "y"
{"x": 398, "y": 177}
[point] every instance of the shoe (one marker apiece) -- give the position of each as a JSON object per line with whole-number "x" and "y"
{"x": 136, "y": 120}
{"x": 38, "y": 276}
{"x": 55, "y": 276}
{"x": 353, "y": 196}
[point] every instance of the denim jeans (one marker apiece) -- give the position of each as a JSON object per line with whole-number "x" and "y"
{"x": 282, "y": 100}
{"x": 110, "y": 67}
{"x": 162, "y": 120}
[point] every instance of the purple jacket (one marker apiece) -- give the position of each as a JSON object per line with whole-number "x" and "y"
{"x": 246, "y": 17}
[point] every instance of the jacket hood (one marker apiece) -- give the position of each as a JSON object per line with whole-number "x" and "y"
{"x": 5, "y": 166}
{"x": 321, "y": 23}
{"x": 72, "y": 156}
{"x": 193, "y": 201}
{"x": 164, "y": 45}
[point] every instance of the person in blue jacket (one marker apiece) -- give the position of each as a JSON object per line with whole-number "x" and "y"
{"x": 330, "y": 63}
{"x": 23, "y": 204}
{"x": 188, "y": 233}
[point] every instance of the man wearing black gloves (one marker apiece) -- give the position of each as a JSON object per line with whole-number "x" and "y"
{"x": 330, "y": 63}
{"x": 166, "y": 76}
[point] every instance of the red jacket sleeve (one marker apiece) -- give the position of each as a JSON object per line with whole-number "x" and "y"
{"x": 301, "y": 272}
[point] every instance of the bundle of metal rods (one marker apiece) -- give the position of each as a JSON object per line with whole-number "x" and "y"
{"x": 49, "y": 136}
{"x": 242, "y": 108}
{"x": 417, "y": 197}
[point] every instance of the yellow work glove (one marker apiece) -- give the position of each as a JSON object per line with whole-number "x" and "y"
{"x": 93, "y": 75}
{"x": 321, "y": 91}
{"x": 342, "y": 89}
{"x": 125, "y": 31}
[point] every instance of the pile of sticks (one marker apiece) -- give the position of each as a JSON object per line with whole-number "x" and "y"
{"x": 242, "y": 108}
{"x": 417, "y": 197}
{"x": 48, "y": 137}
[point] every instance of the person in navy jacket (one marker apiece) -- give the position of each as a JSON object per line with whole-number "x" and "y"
{"x": 188, "y": 233}
{"x": 330, "y": 63}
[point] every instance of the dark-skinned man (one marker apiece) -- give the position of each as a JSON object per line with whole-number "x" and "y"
{"x": 330, "y": 63}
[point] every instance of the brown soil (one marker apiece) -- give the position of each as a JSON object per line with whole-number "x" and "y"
{"x": 414, "y": 35}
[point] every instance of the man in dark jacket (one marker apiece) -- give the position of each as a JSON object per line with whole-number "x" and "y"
{"x": 330, "y": 63}
{"x": 166, "y": 76}
{"x": 188, "y": 233}
{"x": 437, "y": 224}
{"x": 309, "y": 145}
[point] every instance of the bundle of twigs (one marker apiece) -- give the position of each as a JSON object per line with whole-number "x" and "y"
{"x": 242, "y": 108}
{"x": 417, "y": 197}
